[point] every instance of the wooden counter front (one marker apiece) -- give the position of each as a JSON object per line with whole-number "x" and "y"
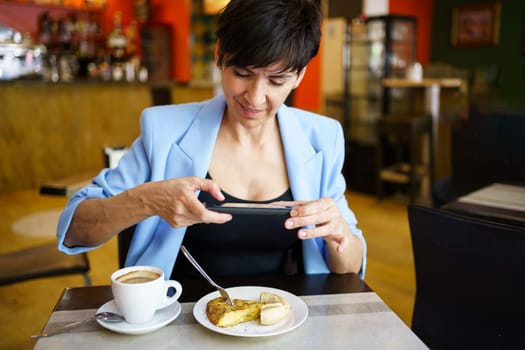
{"x": 54, "y": 131}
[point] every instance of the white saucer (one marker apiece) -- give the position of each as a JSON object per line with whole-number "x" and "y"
{"x": 162, "y": 318}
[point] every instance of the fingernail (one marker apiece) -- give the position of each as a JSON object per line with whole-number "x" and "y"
{"x": 289, "y": 223}
{"x": 302, "y": 234}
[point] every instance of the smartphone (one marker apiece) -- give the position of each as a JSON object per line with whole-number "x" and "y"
{"x": 250, "y": 209}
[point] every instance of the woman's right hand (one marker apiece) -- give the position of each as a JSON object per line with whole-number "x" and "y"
{"x": 175, "y": 201}
{"x": 97, "y": 220}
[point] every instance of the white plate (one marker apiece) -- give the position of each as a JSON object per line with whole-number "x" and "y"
{"x": 162, "y": 318}
{"x": 297, "y": 315}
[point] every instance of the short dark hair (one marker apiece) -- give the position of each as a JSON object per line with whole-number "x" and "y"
{"x": 258, "y": 33}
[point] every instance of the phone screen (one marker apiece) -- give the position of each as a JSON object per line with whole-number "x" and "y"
{"x": 251, "y": 208}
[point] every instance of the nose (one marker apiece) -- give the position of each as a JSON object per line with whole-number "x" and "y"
{"x": 256, "y": 92}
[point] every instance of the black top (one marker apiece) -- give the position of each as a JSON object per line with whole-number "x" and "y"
{"x": 247, "y": 245}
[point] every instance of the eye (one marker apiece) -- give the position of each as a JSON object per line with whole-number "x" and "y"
{"x": 241, "y": 73}
{"x": 278, "y": 82}
{"x": 280, "y": 79}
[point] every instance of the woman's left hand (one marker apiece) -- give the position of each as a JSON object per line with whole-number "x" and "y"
{"x": 319, "y": 218}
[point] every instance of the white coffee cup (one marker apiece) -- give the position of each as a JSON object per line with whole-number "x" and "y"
{"x": 139, "y": 291}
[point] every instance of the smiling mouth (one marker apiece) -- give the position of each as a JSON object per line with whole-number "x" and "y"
{"x": 250, "y": 110}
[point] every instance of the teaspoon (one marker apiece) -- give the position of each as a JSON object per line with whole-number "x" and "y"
{"x": 103, "y": 316}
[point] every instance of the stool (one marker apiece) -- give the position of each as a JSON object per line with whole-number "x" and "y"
{"x": 413, "y": 155}
{"x": 41, "y": 261}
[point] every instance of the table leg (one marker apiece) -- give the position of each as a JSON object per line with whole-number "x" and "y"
{"x": 432, "y": 100}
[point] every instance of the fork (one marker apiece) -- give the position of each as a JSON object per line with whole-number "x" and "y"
{"x": 221, "y": 290}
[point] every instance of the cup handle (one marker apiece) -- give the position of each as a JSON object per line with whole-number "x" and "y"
{"x": 168, "y": 300}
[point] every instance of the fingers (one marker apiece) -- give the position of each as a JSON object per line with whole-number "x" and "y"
{"x": 181, "y": 207}
{"x": 213, "y": 217}
{"x": 212, "y": 188}
{"x": 210, "y": 216}
{"x": 320, "y": 218}
{"x": 196, "y": 212}
{"x": 320, "y": 212}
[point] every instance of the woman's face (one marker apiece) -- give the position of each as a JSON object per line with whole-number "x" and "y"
{"x": 253, "y": 95}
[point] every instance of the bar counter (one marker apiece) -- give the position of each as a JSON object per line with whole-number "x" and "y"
{"x": 57, "y": 130}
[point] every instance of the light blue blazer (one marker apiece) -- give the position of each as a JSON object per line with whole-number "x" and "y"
{"x": 178, "y": 140}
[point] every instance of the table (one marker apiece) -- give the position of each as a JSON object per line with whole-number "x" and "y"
{"x": 432, "y": 88}
{"x": 343, "y": 313}
{"x": 498, "y": 202}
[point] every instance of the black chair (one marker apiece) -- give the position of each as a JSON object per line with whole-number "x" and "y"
{"x": 123, "y": 241}
{"x": 488, "y": 147}
{"x": 470, "y": 287}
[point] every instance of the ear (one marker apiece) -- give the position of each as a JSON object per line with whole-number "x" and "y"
{"x": 300, "y": 77}
{"x": 217, "y": 53}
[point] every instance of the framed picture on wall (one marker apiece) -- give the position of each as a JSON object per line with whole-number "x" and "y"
{"x": 475, "y": 25}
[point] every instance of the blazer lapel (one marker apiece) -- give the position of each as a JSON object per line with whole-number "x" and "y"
{"x": 302, "y": 161}
{"x": 192, "y": 155}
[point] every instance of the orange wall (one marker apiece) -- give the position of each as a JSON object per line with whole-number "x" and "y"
{"x": 176, "y": 13}
{"x": 422, "y": 10}
{"x": 308, "y": 94}
{"x": 123, "y": 6}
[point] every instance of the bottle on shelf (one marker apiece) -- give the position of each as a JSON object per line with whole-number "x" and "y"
{"x": 117, "y": 41}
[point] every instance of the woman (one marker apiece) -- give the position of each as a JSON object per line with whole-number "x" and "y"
{"x": 245, "y": 145}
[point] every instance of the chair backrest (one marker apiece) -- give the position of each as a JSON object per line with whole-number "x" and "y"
{"x": 470, "y": 283}
{"x": 124, "y": 240}
{"x": 489, "y": 145}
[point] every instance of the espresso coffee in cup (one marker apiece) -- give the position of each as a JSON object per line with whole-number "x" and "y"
{"x": 138, "y": 276}
{"x": 139, "y": 291}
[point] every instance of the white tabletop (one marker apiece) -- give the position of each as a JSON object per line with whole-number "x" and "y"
{"x": 335, "y": 321}
{"x": 498, "y": 196}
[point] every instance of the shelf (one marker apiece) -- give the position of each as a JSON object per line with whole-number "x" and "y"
{"x": 400, "y": 173}
{"x": 71, "y": 39}
{"x": 69, "y": 5}
{"x": 361, "y": 41}
{"x": 426, "y": 82}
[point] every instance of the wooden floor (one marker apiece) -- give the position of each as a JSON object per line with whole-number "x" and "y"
{"x": 25, "y": 306}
